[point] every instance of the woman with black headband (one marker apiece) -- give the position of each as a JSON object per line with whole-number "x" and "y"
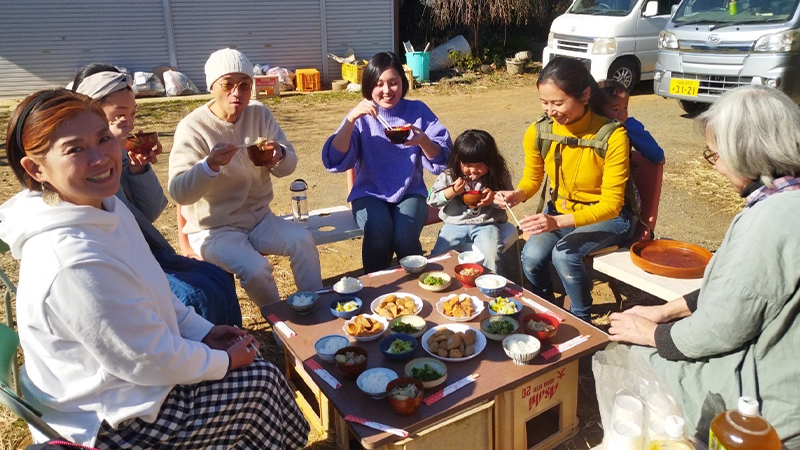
{"x": 112, "y": 358}
{"x": 201, "y": 285}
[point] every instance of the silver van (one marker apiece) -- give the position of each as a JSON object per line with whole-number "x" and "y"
{"x": 711, "y": 46}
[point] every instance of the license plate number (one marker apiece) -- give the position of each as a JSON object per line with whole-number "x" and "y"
{"x": 684, "y": 87}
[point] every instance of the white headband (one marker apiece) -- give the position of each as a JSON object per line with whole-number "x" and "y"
{"x": 101, "y": 84}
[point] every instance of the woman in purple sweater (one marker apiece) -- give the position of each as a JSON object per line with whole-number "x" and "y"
{"x": 388, "y": 196}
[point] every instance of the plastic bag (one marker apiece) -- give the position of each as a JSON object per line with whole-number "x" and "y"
{"x": 633, "y": 400}
{"x": 146, "y": 84}
{"x": 176, "y": 83}
{"x": 285, "y": 77}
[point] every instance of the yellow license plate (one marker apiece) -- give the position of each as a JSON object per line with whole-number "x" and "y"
{"x": 684, "y": 87}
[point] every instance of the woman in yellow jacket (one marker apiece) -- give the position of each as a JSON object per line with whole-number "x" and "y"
{"x": 588, "y": 213}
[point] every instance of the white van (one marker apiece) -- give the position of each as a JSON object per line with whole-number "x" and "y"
{"x": 615, "y": 38}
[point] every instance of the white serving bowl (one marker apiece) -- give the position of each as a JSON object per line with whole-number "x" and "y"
{"x": 418, "y": 304}
{"x": 340, "y": 288}
{"x": 480, "y": 340}
{"x": 522, "y": 357}
{"x": 341, "y": 342}
{"x": 371, "y": 337}
{"x": 477, "y": 307}
{"x": 471, "y": 257}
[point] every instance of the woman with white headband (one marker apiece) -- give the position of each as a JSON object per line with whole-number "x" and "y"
{"x": 201, "y": 285}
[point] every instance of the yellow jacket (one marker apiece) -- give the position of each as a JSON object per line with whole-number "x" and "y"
{"x": 590, "y": 187}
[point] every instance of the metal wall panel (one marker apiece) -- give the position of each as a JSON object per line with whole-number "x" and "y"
{"x": 365, "y": 26}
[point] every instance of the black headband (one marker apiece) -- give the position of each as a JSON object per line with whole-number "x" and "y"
{"x": 41, "y": 98}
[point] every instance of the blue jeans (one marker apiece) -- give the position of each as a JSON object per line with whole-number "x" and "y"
{"x": 486, "y": 238}
{"x": 389, "y": 228}
{"x": 566, "y": 248}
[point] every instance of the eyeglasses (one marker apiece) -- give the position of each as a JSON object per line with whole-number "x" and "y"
{"x": 710, "y": 156}
{"x": 244, "y": 86}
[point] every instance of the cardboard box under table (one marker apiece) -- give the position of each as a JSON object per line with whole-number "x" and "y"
{"x": 508, "y": 407}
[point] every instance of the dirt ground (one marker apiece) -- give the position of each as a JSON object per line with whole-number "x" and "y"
{"x": 696, "y": 204}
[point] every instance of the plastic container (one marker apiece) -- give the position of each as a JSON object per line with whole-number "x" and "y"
{"x": 440, "y": 56}
{"x": 299, "y": 191}
{"x": 743, "y": 429}
{"x": 420, "y": 63}
{"x": 353, "y": 72}
{"x": 675, "y": 439}
{"x": 307, "y": 80}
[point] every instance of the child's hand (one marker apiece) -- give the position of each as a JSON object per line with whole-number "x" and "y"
{"x": 459, "y": 186}
{"x": 487, "y": 198}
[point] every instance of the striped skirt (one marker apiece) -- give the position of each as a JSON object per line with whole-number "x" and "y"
{"x": 251, "y": 408}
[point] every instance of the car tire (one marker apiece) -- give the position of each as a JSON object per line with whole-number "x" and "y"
{"x": 626, "y": 71}
{"x": 693, "y": 108}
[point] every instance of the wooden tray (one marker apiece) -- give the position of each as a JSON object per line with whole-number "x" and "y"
{"x": 674, "y": 259}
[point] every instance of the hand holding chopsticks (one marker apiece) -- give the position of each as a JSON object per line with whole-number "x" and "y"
{"x": 383, "y": 122}
{"x": 513, "y": 216}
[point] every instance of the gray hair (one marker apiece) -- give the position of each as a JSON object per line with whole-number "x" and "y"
{"x": 757, "y": 132}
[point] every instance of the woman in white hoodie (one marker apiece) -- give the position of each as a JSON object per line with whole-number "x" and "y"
{"x": 112, "y": 358}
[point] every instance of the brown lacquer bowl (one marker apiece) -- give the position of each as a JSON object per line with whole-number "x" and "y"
{"x": 674, "y": 259}
{"x": 141, "y": 142}
{"x": 398, "y": 135}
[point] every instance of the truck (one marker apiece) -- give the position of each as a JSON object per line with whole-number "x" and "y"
{"x": 712, "y": 46}
{"x": 615, "y": 39}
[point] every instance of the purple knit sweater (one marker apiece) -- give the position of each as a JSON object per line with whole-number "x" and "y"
{"x": 385, "y": 170}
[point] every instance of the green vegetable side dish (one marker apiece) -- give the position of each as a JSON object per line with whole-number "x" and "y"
{"x": 400, "y": 346}
{"x": 403, "y": 327}
{"x": 500, "y": 327}
{"x": 426, "y": 373}
{"x": 431, "y": 280}
{"x": 502, "y": 305}
{"x": 347, "y": 306}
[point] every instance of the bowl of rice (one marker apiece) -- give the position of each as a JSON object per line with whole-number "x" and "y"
{"x": 327, "y": 346}
{"x": 414, "y": 263}
{"x": 348, "y": 285}
{"x": 521, "y": 348}
{"x": 373, "y": 382}
{"x": 303, "y": 301}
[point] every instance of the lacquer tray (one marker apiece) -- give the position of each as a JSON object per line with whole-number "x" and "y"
{"x": 674, "y": 259}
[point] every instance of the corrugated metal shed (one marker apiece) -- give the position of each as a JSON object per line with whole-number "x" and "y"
{"x": 43, "y": 42}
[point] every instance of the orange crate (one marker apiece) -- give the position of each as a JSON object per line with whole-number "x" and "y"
{"x": 307, "y": 80}
{"x": 353, "y": 72}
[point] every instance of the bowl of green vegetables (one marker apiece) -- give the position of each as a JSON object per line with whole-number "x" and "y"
{"x": 434, "y": 281}
{"x": 346, "y": 307}
{"x": 430, "y": 371}
{"x": 398, "y": 347}
{"x": 497, "y": 328}
{"x": 412, "y": 325}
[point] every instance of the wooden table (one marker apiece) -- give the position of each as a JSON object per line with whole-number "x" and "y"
{"x": 494, "y": 409}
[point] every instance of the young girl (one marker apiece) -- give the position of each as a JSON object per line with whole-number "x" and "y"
{"x": 465, "y": 194}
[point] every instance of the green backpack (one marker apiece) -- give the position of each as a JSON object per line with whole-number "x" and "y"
{"x": 545, "y": 138}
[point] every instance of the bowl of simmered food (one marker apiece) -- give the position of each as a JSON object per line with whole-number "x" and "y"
{"x": 396, "y": 304}
{"x": 141, "y": 142}
{"x": 405, "y": 395}
{"x": 346, "y": 307}
{"x": 351, "y": 361}
{"x": 398, "y": 135}
{"x": 467, "y": 273}
{"x": 459, "y": 307}
{"x": 365, "y": 327}
{"x": 259, "y": 152}
{"x": 434, "y": 281}
{"x": 412, "y": 325}
{"x": 541, "y": 326}
{"x": 430, "y": 371}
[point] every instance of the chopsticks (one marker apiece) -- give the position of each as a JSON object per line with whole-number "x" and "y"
{"x": 503, "y": 197}
{"x": 383, "y": 122}
{"x": 250, "y": 346}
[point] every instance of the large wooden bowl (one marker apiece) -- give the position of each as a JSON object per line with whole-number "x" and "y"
{"x": 674, "y": 259}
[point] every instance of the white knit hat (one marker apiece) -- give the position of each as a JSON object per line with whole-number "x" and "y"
{"x": 225, "y": 61}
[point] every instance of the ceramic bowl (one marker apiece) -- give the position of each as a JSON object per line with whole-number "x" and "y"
{"x": 298, "y": 301}
{"x": 414, "y": 320}
{"x": 404, "y": 405}
{"x": 333, "y": 340}
{"x": 386, "y": 343}
{"x": 414, "y": 263}
{"x": 339, "y": 286}
{"x": 480, "y": 341}
{"x": 517, "y": 307}
{"x": 398, "y": 135}
{"x": 367, "y": 337}
{"x": 522, "y": 357}
{"x": 490, "y": 285}
{"x": 376, "y": 392}
{"x": 351, "y": 371}
{"x": 493, "y": 319}
{"x": 419, "y": 363}
{"x": 468, "y": 280}
{"x": 543, "y": 336}
{"x": 471, "y": 257}
{"x": 477, "y": 307}
{"x": 418, "y": 304}
{"x": 346, "y": 314}
{"x": 141, "y": 142}
{"x": 438, "y": 287}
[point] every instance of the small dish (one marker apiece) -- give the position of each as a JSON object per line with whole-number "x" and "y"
{"x": 342, "y": 301}
{"x": 386, "y": 343}
{"x": 371, "y": 381}
{"x": 404, "y": 404}
{"x": 471, "y": 256}
{"x": 477, "y": 307}
{"x": 376, "y": 309}
{"x": 366, "y": 337}
{"x": 543, "y": 336}
{"x": 480, "y": 341}
{"x": 348, "y": 285}
{"x": 491, "y": 285}
{"x": 500, "y": 301}
{"x": 521, "y": 348}
{"x": 412, "y": 325}
{"x": 487, "y": 322}
{"x": 351, "y": 371}
{"x": 468, "y": 280}
{"x": 303, "y": 302}
{"x": 432, "y": 363}
{"x": 327, "y": 346}
{"x": 437, "y": 276}
{"x": 414, "y": 263}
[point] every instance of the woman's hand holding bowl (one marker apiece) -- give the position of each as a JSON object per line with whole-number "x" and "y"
{"x": 418, "y": 137}
{"x": 140, "y": 157}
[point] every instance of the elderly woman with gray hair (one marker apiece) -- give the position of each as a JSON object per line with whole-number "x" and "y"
{"x": 739, "y": 335}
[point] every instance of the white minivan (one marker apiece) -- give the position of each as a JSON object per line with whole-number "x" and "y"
{"x": 615, "y": 38}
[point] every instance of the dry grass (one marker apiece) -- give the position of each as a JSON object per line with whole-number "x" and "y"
{"x": 704, "y": 184}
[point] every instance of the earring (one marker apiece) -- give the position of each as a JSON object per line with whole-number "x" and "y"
{"x": 49, "y": 195}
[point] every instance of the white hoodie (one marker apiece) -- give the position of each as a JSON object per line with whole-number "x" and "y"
{"x": 103, "y": 336}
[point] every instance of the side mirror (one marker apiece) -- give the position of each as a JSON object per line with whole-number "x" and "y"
{"x": 673, "y": 9}
{"x": 650, "y": 9}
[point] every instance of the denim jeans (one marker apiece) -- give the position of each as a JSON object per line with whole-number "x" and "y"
{"x": 566, "y": 248}
{"x": 389, "y": 228}
{"x": 486, "y": 238}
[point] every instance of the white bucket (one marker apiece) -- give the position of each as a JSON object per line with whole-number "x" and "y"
{"x": 440, "y": 56}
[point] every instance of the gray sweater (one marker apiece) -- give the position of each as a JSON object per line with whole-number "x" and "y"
{"x": 455, "y": 211}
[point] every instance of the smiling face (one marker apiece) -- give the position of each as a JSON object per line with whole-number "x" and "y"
{"x": 617, "y": 108}
{"x": 231, "y": 95}
{"x": 473, "y": 171}
{"x": 562, "y": 107}
{"x": 83, "y": 162}
{"x": 120, "y": 109}
{"x": 389, "y": 89}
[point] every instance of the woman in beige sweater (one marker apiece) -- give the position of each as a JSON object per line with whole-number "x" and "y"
{"x": 226, "y": 196}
